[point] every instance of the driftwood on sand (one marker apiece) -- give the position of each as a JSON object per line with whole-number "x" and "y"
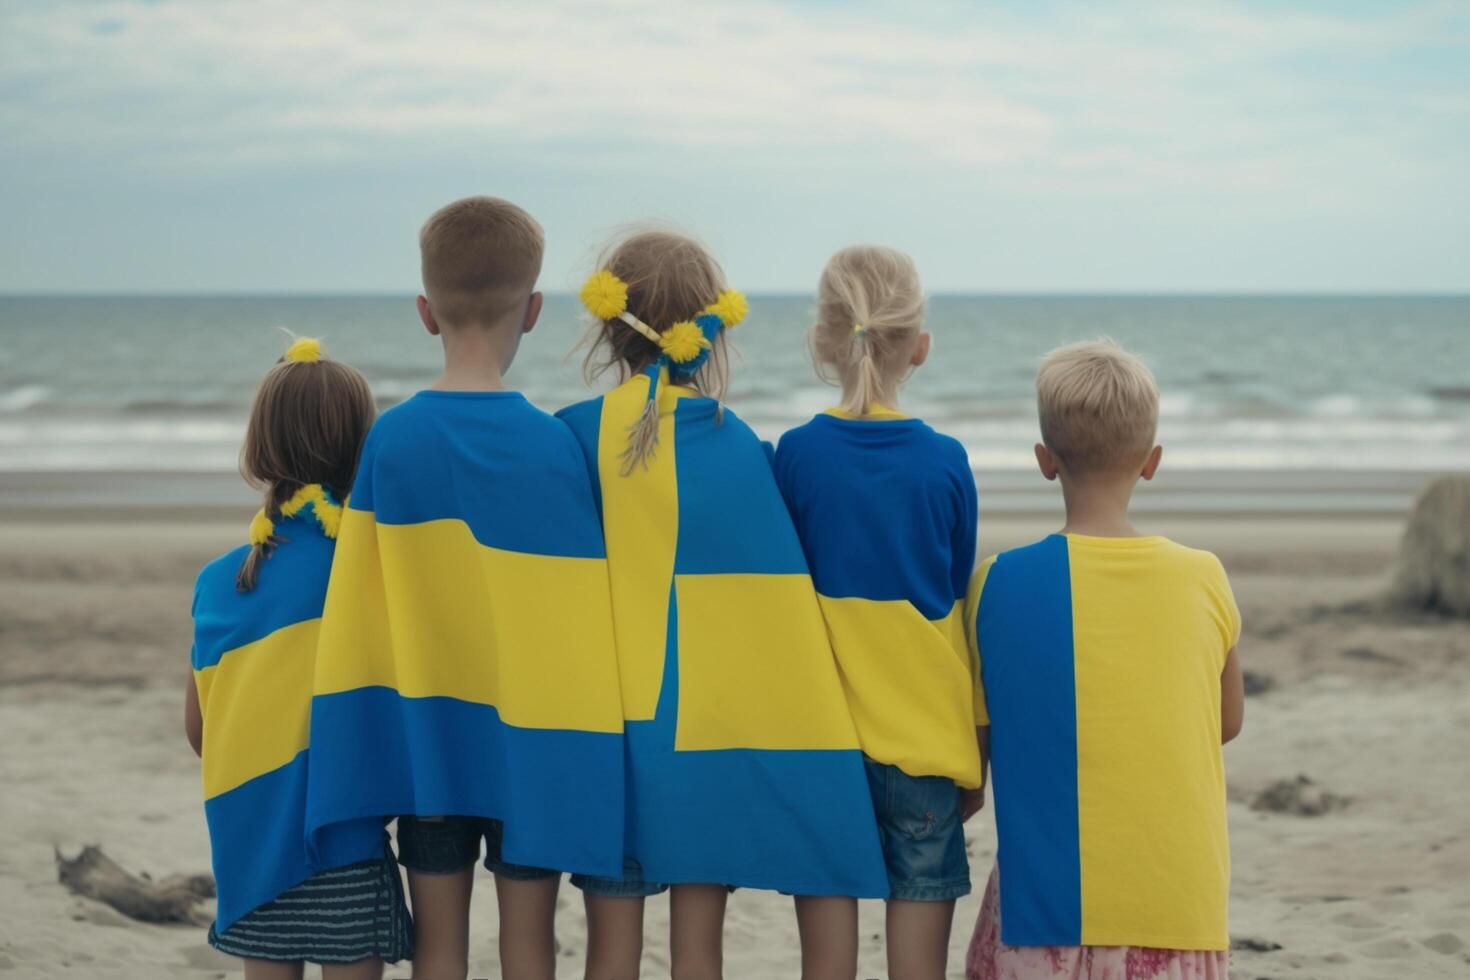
{"x": 1433, "y": 569}
{"x": 94, "y": 875}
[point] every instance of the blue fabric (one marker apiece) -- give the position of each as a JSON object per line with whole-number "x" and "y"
{"x": 753, "y": 531}
{"x": 793, "y": 821}
{"x": 257, "y": 829}
{"x": 436, "y": 756}
{"x": 507, "y": 469}
{"x": 886, "y": 509}
{"x": 290, "y": 589}
{"x": 1027, "y": 664}
{"x": 515, "y": 477}
{"x": 923, "y": 834}
{"x": 257, "y": 834}
{"x": 796, "y": 821}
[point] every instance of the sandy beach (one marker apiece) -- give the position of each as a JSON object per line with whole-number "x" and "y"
{"x": 94, "y": 642}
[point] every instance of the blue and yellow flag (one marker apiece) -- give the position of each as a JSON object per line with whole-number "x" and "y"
{"x": 1101, "y": 660}
{"x": 743, "y": 764}
{"x": 466, "y": 663}
{"x": 886, "y": 510}
{"x": 252, "y": 658}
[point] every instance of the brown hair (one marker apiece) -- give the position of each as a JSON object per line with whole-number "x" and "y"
{"x": 870, "y": 309}
{"x": 307, "y": 425}
{"x": 671, "y": 278}
{"x": 480, "y": 260}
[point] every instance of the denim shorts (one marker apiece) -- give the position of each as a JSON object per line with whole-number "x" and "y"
{"x": 922, "y": 834}
{"x": 445, "y": 845}
{"x": 630, "y": 885}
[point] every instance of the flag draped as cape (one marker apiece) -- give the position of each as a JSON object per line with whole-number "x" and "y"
{"x": 252, "y": 659}
{"x": 743, "y": 763}
{"x": 466, "y": 662}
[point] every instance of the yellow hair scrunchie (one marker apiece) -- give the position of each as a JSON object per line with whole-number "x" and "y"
{"x": 731, "y": 307}
{"x": 304, "y": 350}
{"x": 683, "y": 342}
{"x": 261, "y": 528}
{"x": 605, "y": 295}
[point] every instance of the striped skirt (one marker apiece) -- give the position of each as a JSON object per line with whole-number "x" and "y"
{"x": 344, "y": 915}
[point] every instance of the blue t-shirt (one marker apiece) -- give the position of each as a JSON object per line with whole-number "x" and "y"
{"x": 886, "y": 510}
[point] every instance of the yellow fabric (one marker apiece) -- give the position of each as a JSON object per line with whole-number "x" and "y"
{"x": 911, "y": 711}
{"x": 877, "y": 412}
{"x": 328, "y": 514}
{"x": 641, "y": 526}
{"x": 972, "y": 643}
{"x": 492, "y": 630}
{"x": 1165, "y": 610}
{"x": 735, "y": 634}
{"x": 256, "y": 704}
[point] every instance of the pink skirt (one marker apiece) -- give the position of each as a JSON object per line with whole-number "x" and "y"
{"x": 991, "y": 959}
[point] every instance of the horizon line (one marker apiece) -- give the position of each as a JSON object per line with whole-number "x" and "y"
{"x": 782, "y": 293}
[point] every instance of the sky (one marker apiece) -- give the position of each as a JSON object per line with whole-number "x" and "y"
{"x": 274, "y": 146}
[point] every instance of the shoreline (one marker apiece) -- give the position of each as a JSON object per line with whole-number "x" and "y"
{"x": 103, "y": 495}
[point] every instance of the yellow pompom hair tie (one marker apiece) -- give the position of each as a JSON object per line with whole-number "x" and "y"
{"x": 304, "y": 350}
{"x": 683, "y": 342}
{"x": 605, "y": 295}
{"x": 859, "y": 329}
{"x": 731, "y": 307}
{"x": 261, "y": 528}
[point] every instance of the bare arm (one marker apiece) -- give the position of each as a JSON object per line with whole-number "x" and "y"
{"x": 1232, "y": 698}
{"x": 973, "y": 800}
{"x": 193, "y": 718}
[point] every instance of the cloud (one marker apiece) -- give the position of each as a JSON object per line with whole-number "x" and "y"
{"x": 1180, "y": 93}
{"x": 1201, "y": 143}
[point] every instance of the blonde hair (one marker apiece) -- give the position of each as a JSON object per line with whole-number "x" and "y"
{"x": 480, "y": 257}
{"x": 307, "y": 425}
{"x": 1099, "y": 406}
{"x": 671, "y": 277}
{"x": 870, "y": 310}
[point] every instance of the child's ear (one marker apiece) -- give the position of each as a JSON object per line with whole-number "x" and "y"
{"x": 921, "y": 349}
{"x": 426, "y": 314}
{"x": 533, "y": 312}
{"x": 1151, "y": 464}
{"x": 1046, "y": 460}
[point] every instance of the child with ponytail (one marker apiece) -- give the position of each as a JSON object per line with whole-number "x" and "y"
{"x": 247, "y": 710}
{"x": 886, "y": 510}
{"x": 743, "y": 767}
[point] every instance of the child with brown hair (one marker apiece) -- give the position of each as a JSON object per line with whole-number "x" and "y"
{"x": 886, "y": 509}
{"x": 466, "y": 678}
{"x": 743, "y": 765}
{"x": 256, "y": 615}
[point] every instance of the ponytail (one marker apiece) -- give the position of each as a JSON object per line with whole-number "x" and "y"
{"x": 263, "y": 537}
{"x": 865, "y": 385}
{"x": 306, "y": 429}
{"x": 870, "y": 310}
{"x": 249, "y": 571}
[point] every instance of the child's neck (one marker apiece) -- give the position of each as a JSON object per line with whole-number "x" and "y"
{"x": 881, "y": 399}
{"x": 1098, "y": 506}
{"x": 473, "y": 361}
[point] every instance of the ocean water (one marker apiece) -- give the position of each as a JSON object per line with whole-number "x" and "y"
{"x": 1299, "y": 384}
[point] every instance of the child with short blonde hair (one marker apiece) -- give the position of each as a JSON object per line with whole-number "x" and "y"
{"x": 1109, "y": 665}
{"x": 744, "y": 767}
{"x": 886, "y": 509}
